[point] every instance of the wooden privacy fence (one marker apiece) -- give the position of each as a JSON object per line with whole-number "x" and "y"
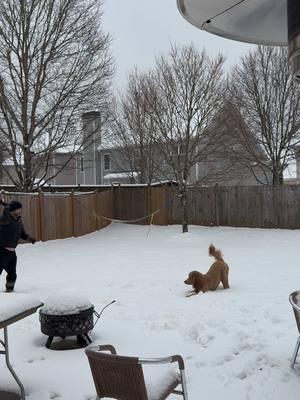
{"x": 239, "y": 206}
{"x": 133, "y": 202}
{"x": 61, "y": 215}
{"x": 50, "y": 216}
{"x": 247, "y": 206}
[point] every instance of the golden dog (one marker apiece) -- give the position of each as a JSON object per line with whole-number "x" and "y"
{"x": 217, "y": 273}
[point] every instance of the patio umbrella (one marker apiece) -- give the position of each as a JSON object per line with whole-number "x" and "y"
{"x": 266, "y": 22}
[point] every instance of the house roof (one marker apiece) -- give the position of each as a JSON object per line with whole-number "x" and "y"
{"x": 107, "y": 144}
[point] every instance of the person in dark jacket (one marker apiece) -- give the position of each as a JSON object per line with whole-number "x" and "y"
{"x": 11, "y": 231}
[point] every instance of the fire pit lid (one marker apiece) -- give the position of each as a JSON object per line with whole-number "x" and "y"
{"x": 65, "y": 302}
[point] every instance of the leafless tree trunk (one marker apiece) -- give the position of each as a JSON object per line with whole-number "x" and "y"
{"x": 267, "y": 99}
{"x": 242, "y": 157}
{"x": 133, "y": 130}
{"x": 54, "y": 65}
{"x": 184, "y": 94}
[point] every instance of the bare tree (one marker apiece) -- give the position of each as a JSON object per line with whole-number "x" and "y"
{"x": 133, "y": 130}
{"x": 54, "y": 65}
{"x": 267, "y": 102}
{"x": 183, "y": 96}
{"x": 238, "y": 149}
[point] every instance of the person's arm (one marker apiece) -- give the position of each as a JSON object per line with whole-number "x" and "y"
{"x": 27, "y": 237}
{"x": 5, "y": 219}
{"x": 2, "y": 203}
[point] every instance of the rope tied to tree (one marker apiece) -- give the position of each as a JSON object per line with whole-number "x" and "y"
{"x": 120, "y": 221}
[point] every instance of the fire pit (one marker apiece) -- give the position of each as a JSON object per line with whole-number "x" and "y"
{"x": 65, "y": 325}
{"x": 67, "y": 313}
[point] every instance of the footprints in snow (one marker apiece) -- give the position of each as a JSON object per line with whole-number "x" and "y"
{"x": 196, "y": 334}
{"x": 33, "y": 360}
{"x": 239, "y": 350}
{"x": 55, "y": 396}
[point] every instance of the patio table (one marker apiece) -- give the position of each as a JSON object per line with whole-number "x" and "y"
{"x": 13, "y": 308}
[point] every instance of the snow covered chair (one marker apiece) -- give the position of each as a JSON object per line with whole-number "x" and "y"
{"x": 122, "y": 378}
{"x": 294, "y": 299}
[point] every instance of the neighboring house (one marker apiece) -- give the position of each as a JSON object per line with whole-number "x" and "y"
{"x": 81, "y": 169}
{"x": 114, "y": 168}
{"x": 124, "y": 165}
{"x": 8, "y": 165}
{"x": 220, "y": 158}
{"x": 235, "y": 151}
{"x": 211, "y": 171}
{"x": 66, "y": 169}
{"x": 296, "y": 166}
{"x": 100, "y": 163}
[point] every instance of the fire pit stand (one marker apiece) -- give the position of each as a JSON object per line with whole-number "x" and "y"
{"x": 65, "y": 324}
{"x": 79, "y": 324}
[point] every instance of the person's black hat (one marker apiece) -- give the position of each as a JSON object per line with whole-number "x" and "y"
{"x": 14, "y": 205}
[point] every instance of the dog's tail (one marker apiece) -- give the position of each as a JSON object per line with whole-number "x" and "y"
{"x": 213, "y": 252}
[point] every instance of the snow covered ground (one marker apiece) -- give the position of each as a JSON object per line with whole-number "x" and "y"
{"x": 236, "y": 343}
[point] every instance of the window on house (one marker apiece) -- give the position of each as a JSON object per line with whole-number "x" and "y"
{"x": 106, "y": 161}
{"x": 81, "y": 164}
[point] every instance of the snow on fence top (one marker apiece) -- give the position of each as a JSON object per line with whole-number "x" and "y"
{"x": 65, "y": 302}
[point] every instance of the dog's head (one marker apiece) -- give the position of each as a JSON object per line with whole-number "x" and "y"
{"x": 195, "y": 279}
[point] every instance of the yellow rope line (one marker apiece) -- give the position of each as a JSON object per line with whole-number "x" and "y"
{"x": 119, "y": 220}
{"x": 131, "y": 220}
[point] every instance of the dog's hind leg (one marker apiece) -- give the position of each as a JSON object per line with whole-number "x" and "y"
{"x": 224, "y": 280}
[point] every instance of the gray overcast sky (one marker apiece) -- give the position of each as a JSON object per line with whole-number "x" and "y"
{"x": 143, "y": 29}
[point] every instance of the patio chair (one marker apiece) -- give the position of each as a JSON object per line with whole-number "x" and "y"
{"x": 122, "y": 378}
{"x": 294, "y": 299}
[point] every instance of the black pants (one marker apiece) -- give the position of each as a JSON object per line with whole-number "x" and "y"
{"x": 8, "y": 263}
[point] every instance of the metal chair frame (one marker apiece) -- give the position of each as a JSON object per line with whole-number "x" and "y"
{"x": 151, "y": 361}
{"x": 296, "y": 309}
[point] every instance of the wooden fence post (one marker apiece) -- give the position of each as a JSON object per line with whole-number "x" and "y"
{"x": 170, "y": 203}
{"x": 278, "y": 195}
{"x": 217, "y": 217}
{"x": 41, "y": 216}
{"x": 96, "y": 210}
{"x": 72, "y": 213}
{"x": 113, "y": 200}
{"x": 165, "y": 204}
{"x": 275, "y": 207}
{"x": 149, "y": 202}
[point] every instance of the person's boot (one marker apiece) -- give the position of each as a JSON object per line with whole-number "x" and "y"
{"x": 10, "y": 287}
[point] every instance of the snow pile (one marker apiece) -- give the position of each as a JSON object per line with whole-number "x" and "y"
{"x": 13, "y": 304}
{"x": 65, "y": 302}
{"x": 236, "y": 343}
{"x": 158, "y": 379}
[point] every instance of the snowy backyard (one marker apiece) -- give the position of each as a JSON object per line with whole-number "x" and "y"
{"x": 236, "y": 343}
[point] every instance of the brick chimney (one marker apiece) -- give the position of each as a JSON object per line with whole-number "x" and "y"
{"x": 91, "y": 125}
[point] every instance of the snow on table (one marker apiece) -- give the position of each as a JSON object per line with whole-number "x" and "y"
{"x": 13, "y": 305}
{"x": 65, "y": 302}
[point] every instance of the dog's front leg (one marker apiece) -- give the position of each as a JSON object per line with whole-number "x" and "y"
{"x": 191, "y": 293}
